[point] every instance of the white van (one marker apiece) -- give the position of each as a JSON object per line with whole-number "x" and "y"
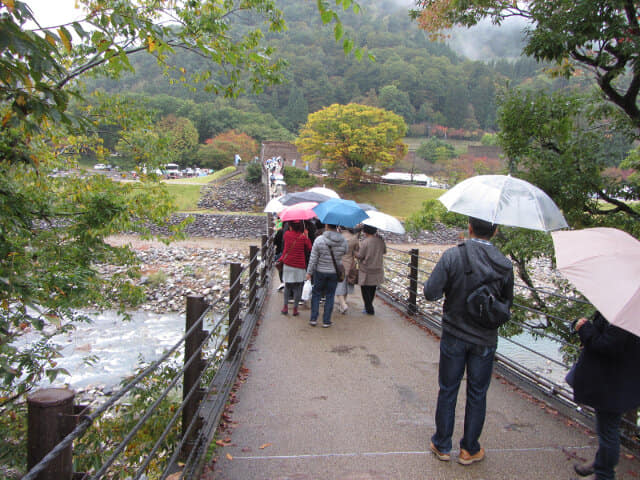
{"x": 171, "y": 170}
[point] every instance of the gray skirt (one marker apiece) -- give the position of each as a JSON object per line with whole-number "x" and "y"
{"x": 293, "y": 274}
{"x": 344, "y": 288}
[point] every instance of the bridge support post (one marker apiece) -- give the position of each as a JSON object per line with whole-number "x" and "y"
{"x": 253, "y": 277}
{"x": 266, "y": 260}
{"x": 234, "y": 307}
{"x": 196, "y": 306}
{"x": 412, "y": 306}
{"x": 48, "y": 411}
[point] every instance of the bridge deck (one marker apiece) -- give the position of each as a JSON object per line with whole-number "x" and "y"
{"x": 356, "y": 402}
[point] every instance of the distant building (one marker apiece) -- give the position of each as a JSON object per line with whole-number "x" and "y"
{"x": 286, "y": 150}
{"x": 400, "y": 177}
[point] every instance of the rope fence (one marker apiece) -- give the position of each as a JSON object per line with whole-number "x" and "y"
{"x": 210, "y": 363}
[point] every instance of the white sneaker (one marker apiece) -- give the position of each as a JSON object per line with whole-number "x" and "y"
{"x": 281, "y": 287}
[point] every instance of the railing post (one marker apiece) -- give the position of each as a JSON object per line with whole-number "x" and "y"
{"x": 48, "y": 410}
{"x": 196, "y": 306}
{"x": 412, "y": 306}
{"x": 234, "y": 307}
{"x": 266, "y": 261}
{"x": 253, "y": 277}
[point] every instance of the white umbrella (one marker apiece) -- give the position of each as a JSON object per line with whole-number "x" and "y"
{"x": 504, "y": 200}
{"x": 384, "y": 222}
{"x": 324, "y": 191}
{"x": 274, "y": 206}
{"x": 604, "y": 264}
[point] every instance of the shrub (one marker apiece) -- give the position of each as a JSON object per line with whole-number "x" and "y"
{"x": 254, "y": 173}
{"x": 299, "y": 177}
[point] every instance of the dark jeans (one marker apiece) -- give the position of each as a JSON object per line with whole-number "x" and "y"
{"x": 608, "y": 430}
{"x": 323, "y": 284}
{"x": 368, "y": 294}
{"x": 455, "y": 356}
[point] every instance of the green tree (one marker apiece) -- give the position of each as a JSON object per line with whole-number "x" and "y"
{"x": 435, "y": 149}
{"x": 394, "y": 99}
{"x": 353, "y": 136}
{"x": 53, "y": 228}
{"x": 182, "y": 139}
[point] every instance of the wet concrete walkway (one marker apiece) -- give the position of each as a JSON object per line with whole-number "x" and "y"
{"x": 356, "y": 402}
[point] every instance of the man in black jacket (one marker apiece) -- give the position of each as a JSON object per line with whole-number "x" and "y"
{"x": 607, "y": 378}
{"x": 465, "y": 344}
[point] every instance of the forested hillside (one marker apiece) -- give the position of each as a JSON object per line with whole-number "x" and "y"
{"x": 425, "y": 82}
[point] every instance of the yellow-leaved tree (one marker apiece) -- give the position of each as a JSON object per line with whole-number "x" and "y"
{"x": 353, "y": 139}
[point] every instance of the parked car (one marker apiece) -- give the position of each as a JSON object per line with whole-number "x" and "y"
{"x": 100, "y": 166}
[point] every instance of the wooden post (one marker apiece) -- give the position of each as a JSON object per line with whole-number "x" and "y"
{"x": 266, "y": 260}
{"x": 196, "y": 306}
{"x": 47, "y": 411}
{"x": 234, "y": 307}
{"x": 412, "y": 306}
{"x": 253, "y": 277}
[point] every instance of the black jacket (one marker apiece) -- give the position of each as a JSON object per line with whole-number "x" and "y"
{"x": 607, "y": 374}
{"x": 447, "y": 278}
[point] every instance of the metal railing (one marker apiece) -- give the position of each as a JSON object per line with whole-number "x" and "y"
{"x": 405, "y": 273}
{"x": 211, "y": 361}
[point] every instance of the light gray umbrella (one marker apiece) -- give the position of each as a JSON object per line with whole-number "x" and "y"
{"x": 504, "y": 200}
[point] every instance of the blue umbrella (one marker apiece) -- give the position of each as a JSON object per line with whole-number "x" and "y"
{"x": 337, "y": 211}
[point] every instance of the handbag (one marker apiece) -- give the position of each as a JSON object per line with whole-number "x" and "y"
{"x": 339, "y": 268}
{"x": 354, "y": 273}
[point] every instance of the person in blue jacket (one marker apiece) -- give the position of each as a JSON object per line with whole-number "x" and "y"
{"x": 607, "y": 378}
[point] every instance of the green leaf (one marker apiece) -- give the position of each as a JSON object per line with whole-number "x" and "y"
{"x": 338, "y": 31}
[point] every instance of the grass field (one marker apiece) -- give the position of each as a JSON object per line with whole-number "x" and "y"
{"x": 397, "y": 200}
{"x": 185, "y": 196}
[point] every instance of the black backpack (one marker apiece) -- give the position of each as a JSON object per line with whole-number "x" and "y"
{"x": 484, "y": 304}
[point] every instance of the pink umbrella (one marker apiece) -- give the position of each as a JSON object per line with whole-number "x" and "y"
{"x": 299, "y": 211}
{"x": 603, "y": 264}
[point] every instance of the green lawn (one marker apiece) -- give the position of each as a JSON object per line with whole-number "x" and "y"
{"x": 397, "y": 200}
{"x": 185, "y": 196}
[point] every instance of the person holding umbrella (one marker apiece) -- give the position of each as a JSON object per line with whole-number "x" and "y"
{"x": 604, "y": 265}
{"x": 465, "y": 344}
{"x": 296, "y": 246}
{"x": 371, "y": 270}
{"x": 606, "y": 377}
{"x": 327, "y": 251}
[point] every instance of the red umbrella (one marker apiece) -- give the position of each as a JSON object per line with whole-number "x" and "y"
{"x": 299, "y": 211}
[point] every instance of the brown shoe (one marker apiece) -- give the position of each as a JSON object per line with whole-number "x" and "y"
{"x": 445, "y": 457}
{"x": 465, "y": 458}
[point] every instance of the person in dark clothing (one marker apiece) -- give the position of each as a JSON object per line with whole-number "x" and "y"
{"x": 607, "y": 378}
{"x": 278, "y": 243}
{"x": 464, "y": 343}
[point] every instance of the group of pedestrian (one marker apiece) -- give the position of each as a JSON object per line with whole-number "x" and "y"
{"x": 318, "y": 254}
{"x": 606, "y": 377}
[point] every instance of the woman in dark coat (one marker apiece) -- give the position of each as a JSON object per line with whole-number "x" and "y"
{"x": 607, "y": 378}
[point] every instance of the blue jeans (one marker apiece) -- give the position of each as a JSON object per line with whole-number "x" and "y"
{"x": 455, "y": 356}
{"x": 608, "y": 430}
{"x": 323, "y": 284}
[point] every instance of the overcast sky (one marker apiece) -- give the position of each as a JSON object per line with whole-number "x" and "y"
{"x": 54, "y": 12}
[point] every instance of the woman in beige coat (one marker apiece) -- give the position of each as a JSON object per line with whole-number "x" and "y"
{"x": 348, "y": 261}
{"x": 370, "y": 254}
